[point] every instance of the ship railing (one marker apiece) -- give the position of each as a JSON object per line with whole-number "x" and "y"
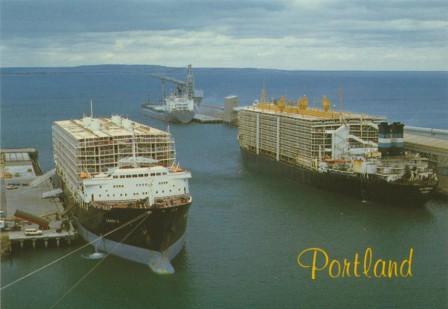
{"x": 108, "y": 205}
{"x": 176, "y": 169}
{"x": 340, "y": 171}
{"x": 171, "y": 201}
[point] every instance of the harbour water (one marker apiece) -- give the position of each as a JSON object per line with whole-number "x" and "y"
{"x": 246, "y": 228}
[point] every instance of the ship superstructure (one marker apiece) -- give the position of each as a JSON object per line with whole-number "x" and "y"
{"x": 144, "y": 180}
{"x": 181, "y": 104}
{"x": 350, "y": 152}
{"x": 114, "y": 171}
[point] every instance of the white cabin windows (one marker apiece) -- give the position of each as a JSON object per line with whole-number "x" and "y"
{"x": 135, "y": 175}
{"x": 142, "y": 185}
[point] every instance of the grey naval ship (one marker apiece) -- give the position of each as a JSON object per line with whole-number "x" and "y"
{"x": 356, "y": 154}
{"x": 123, "y": 188}
{"x": 181, "y": 105}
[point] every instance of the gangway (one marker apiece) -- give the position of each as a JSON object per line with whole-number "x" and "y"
{"x": 38, "y": 180}
{"x": 52, "y": 193}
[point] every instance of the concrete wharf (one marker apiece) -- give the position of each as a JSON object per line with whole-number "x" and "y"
{"x": 433, "y": 144}
{"x": 23, "y": 188}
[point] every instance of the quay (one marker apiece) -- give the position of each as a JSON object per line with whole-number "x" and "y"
{"x": 210, "y": 113}
{"x": 31, "y": 211}
{"x": 433, "y": 144}
{"x": 203, "y": 118}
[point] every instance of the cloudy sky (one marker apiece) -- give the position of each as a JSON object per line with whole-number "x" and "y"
{"x": 284, "y": 34}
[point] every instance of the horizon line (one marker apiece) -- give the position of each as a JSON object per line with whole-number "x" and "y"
{"x": 228, "y": 68}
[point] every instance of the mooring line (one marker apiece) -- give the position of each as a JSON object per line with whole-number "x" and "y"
{"x": 70, "y": 253}
{"x": 96, "y": 265}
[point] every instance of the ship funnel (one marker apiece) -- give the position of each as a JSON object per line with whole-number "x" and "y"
{"x": 396, "y": 134}
{"x": 326, "y": 104}
{"x": 384, "y": 138}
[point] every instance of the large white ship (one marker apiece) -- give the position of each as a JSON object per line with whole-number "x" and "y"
{"x": 126, "y": 192}
{"x": 181, "y": 105}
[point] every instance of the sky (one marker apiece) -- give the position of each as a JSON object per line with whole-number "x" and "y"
{"x": 281, "y": 34}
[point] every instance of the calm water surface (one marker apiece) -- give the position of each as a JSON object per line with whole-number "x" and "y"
{"x": 246, "y": 228}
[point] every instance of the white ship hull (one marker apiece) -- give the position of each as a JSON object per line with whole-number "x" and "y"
{"x": 174, "y": 116}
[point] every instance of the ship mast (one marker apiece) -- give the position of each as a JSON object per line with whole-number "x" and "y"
{"x": 134, "y": 156}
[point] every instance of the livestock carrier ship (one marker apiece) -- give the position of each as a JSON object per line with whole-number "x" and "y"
{"x": 123, "y": 187}
{"x": 356, "y": 154}
{"x": 181, "y": 105}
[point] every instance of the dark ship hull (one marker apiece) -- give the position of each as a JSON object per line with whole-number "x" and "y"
{"x": 154, "y": 237}
{"x": 362, "y": 187}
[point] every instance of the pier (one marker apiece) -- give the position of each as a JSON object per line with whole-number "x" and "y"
{"x": 31, "y": 211}
{"x": 203, "y": 118}
{"x": 433, "y": 144}
{"x": 210, "y": 113}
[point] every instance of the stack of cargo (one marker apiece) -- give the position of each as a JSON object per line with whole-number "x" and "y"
{"x": 93, "y": 145}
{"x": 296, "y": 133}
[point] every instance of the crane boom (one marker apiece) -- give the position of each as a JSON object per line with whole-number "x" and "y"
{"x": 169, "y": 79}
{"x": 182, "y": 87}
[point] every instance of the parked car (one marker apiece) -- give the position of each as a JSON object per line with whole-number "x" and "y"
{"x": 32, "y": 232}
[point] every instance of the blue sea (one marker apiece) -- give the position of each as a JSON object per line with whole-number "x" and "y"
{"x": 246, "y": 228}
